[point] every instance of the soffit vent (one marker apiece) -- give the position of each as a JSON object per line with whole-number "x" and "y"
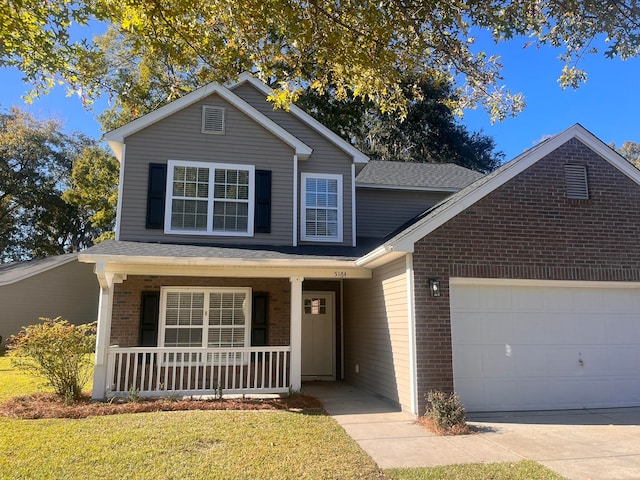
{"x": 576, "y": 181}
{"x": 212, "y": 120}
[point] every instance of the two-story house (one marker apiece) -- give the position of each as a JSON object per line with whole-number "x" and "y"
{"x": 256, "y": 249}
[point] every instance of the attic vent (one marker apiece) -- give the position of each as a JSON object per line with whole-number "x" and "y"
{"x": 212, "y": 119}
{"x": 576, "y": 180}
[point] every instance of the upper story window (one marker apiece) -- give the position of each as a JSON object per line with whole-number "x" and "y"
{"x": 321, "y": 207}
{"x": 210, "y": 198}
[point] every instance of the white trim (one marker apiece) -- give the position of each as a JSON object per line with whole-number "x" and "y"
{"x": 358, "y": 156}
{"x": 295, "y": 201}
{"x": 303, "y": 207}
{"x": 207, "y": 291}
{"x": 411, "y": 321}
{"x": 518, "y": 282}
{"x": 353, "y": 205}
{"x": 116, "y": 138}
{"x": 408, "y": 188}
{"x": 120, "y": 192}
{"x": 405, "y": 240}
{"x": 295, "y": 333}
{"x": 211, "y": 167}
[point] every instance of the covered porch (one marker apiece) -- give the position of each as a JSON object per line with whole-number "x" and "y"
{"x": 209, "y": 321}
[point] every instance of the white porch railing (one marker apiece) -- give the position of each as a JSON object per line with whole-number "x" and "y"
{"x": 148, "y": 371}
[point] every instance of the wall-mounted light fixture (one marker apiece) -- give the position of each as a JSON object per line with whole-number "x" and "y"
{"x": 434, "y": 287}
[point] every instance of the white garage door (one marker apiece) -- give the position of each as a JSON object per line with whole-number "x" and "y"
{"x": 545, "y": 345}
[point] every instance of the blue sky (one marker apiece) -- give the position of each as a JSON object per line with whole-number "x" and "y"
{"x": 607, "y": 105}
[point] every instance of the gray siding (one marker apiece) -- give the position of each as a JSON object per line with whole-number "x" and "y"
{"x": 381, "y": 211}
{"x": 69, "y": 291}
{"x": 326, "y": 157}
{"x": 178, "y": 137}
{"x": 377, "y": 333}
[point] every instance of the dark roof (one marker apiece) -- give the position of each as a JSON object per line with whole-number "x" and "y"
{"x": 432, "y": 176}
{"x": 253, "y": 252}
{"x": 16, "y": 271}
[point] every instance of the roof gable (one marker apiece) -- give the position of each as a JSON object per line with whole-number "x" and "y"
{"x": 357, "y": 155}
{"x": 17, "y": 271}
{"x": 404, "y": 240}
{"x": 116, "y": 138}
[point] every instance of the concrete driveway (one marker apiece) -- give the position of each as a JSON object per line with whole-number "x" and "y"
{"x": 578, "y": 444}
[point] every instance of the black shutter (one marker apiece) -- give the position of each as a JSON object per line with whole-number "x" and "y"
{"x": 155, "y": 195}
{"x": 260, "y": 320}
{"x": 262, "y": 212}
{"x": 149, "y": 314}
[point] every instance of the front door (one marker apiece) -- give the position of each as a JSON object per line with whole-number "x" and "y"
{"x": 318, "y": 336}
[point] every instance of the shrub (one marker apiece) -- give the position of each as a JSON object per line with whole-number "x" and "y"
{"x": 56, "y": 351}
{"x": 446, "y": 411}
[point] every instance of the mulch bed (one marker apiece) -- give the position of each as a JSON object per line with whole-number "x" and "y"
{"x": 48, "y": 405}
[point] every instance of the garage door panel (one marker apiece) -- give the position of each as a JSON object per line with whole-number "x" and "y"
{"x": 468, "y": 328}
{"x": 468, "y": 361}
{"x": 496, "y": 327}
{"x": 546, "y": 347}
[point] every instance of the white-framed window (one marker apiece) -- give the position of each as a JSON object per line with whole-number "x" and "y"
{"x": 195, "y": 317}
{"x": 209, "y": 198}
{"x": 321, "y": 207}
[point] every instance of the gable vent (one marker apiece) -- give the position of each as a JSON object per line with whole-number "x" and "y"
{"x": 212, "y": 119}
{"x": 576, "y": 181}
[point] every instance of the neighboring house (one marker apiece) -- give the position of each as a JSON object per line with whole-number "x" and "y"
{"x": 249, "y": 257}
{"x": 50, "y": 287}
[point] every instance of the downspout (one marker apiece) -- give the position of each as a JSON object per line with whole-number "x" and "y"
{"x": 120, "y": 190}
{"x": 295, "y": 200}
{"x": 411, "y": 317}
{"x": 353, "y": 203}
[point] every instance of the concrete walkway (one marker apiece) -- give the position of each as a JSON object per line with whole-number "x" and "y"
{"x": 578, "y": 444}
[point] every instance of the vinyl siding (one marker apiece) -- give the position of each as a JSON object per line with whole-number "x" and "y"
{"x": 178, "y": 137}
{"x": 326, "y": 157}
{"x": 381, "y": 211}
{"x": 377, "y": 333}
{"x": 69, "y": 291}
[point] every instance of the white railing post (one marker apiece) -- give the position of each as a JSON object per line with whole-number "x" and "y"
{"x": 296, "y": 333}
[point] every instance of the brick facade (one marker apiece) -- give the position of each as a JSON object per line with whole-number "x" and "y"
{"x": 526, "y": 229}
{"x": 125, "y": 323}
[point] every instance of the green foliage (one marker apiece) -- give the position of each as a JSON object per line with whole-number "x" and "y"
{"x": 358, "y": 48}
{"x": 522, "y": 470}
{"x": 445, "y": 409}
{"x": 56, "y": 351}
{"x": 430, "y": 133}
{"x": 38, "y": 162}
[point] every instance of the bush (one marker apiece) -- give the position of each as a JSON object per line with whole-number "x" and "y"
{"x": 56, "y": 351}
{"x": 446, "y": 411}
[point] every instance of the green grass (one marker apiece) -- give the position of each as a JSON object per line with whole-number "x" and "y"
{"x": 182, "y": 445}
{"x": 14, "y": 383}
{"x": 523, "y": 470}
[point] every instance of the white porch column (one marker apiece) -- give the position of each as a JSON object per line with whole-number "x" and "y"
{"x": 103, "y": 334}
{"x": 296, "y": 332}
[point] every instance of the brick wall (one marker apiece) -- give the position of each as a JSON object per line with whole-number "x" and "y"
{"x": 526, "y": 229}
{"x": 125, "y": 323}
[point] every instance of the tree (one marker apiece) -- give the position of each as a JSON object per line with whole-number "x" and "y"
{"x": 359, "y": 47}
{"x": 430, "y": 132}
{"x": 36, "y": 165}
{"x": 630, "y": 151}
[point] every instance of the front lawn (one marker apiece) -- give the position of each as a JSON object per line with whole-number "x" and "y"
{"x": 180, "y": 445}
{"x": 523, "y": 470}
